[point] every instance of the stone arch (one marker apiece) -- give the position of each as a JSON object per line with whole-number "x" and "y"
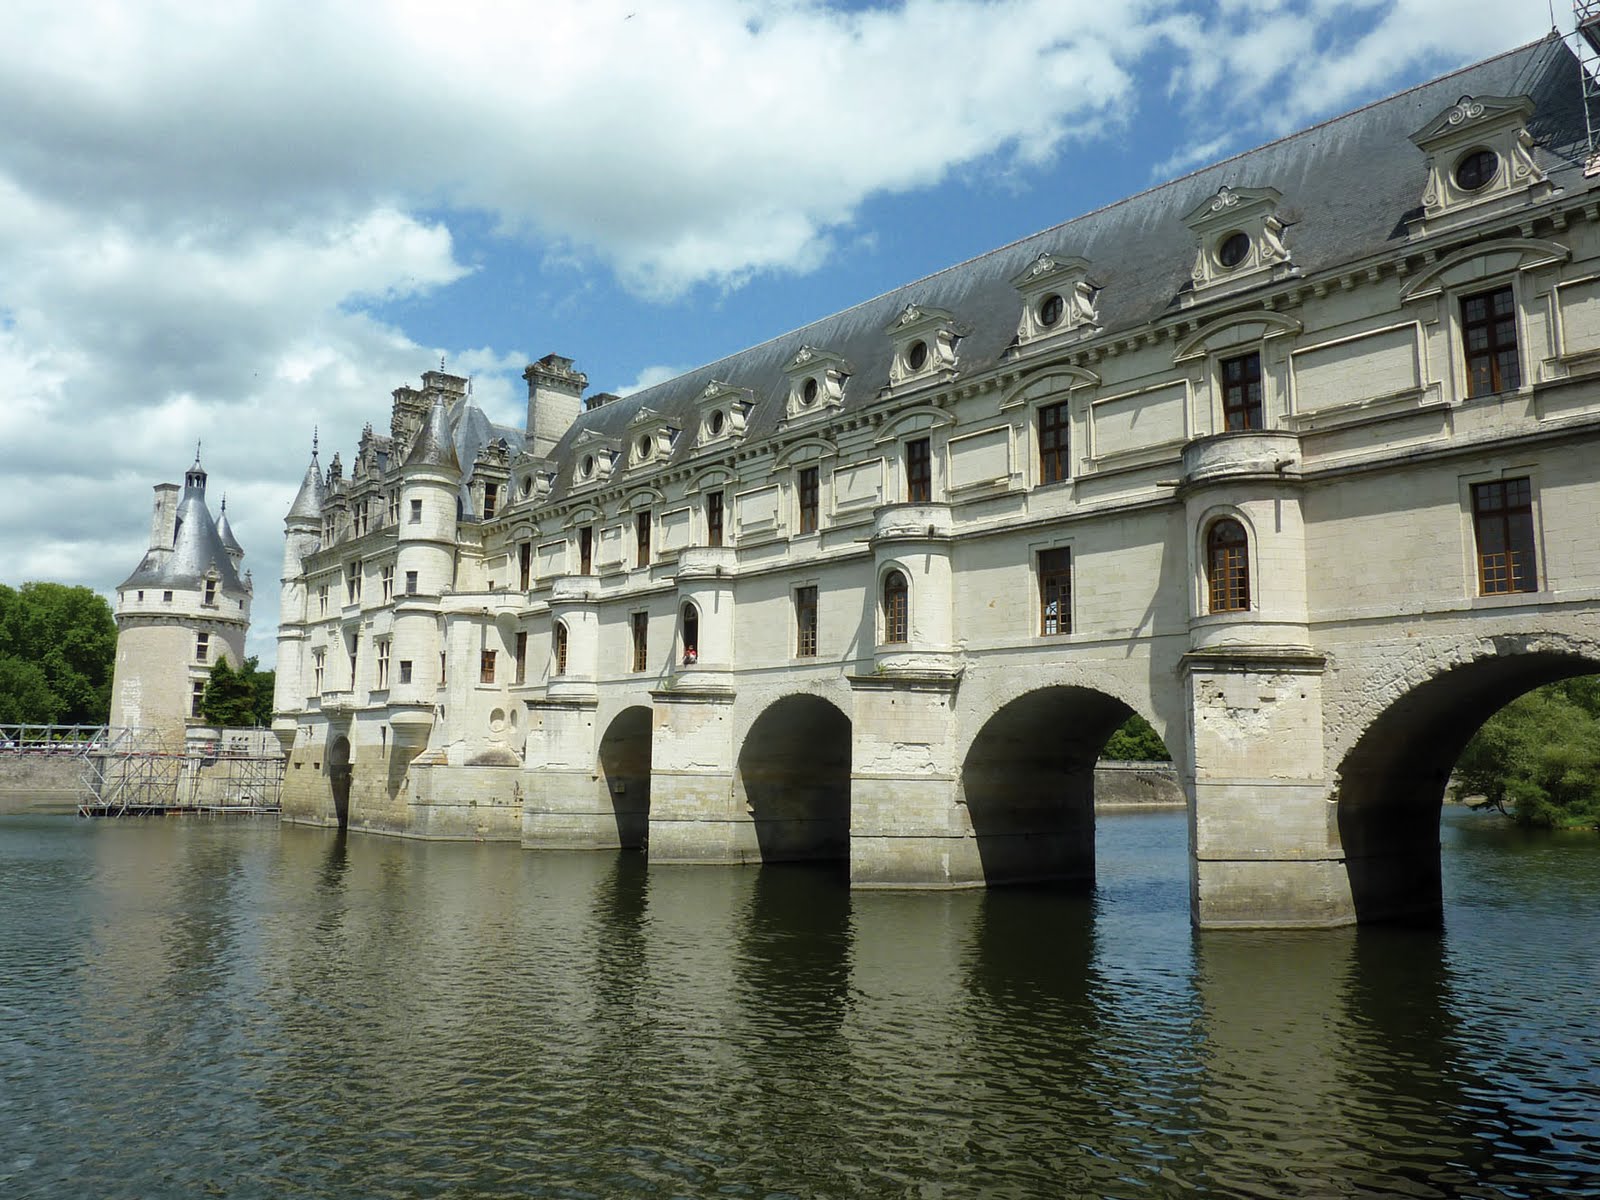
{"x": 623, "y": 771}
{"x": 793, "y": 777}
{"x": 1028, "y": 783}
{"x": 339, "y": 773}
{"x": 1389, "y": 784}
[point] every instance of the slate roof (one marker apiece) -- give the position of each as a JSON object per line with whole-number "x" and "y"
{"x": 308, "y": 500}
{"x": 1348, "y": 186}
{"x": 197, "y": 548}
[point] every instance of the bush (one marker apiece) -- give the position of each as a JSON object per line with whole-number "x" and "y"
{"x": 1538, "y": 759}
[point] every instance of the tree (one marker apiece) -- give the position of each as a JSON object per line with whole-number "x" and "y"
{"x": 1538, "y": 759}
{"x": 237, "y": 698}
{"x": 58, "y": 645}
{"x": 1135, "y": 740}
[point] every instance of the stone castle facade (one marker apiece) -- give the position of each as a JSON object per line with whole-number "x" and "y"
{"x": 185, "y": 606}
{"x": 1298, "y": 456}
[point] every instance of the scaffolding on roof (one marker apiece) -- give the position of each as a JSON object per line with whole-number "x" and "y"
{"x": 1586, "y": 19}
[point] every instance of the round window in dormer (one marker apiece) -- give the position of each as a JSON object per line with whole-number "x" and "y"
{"x": 644, "y": 448}
{"x": 1477, "y": 170}
{"x": 808, "y": 391}
{"x": 917, "y": 355}
{"x": 1051, "y": 308}
{"x": 1233, "y": 249}
{"x": 586, "y": 468}
{"x": 717, "y": 423}
{"x": 527, "y": 486}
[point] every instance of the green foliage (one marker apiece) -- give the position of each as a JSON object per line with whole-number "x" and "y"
{"x": 1538, "y": 759}
{"x": 237, "y": 698}
{"x": 58, "y": 645}
{"x": 1135, "y": 741}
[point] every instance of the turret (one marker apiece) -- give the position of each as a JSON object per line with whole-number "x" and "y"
{"x": 229, "y": 542}
{"x": 302, "y": 531}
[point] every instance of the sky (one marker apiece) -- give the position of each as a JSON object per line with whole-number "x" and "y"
{"x": 234, "y": 224}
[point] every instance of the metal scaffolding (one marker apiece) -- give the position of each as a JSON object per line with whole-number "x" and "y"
{"x": 137, "y": 772}
{"x": 1586, "y": 18}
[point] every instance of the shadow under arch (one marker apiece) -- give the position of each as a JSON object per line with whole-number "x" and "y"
{"x": 1390, "y": 786}
{"x": 624, "y": 773}
{"x": 339, "y": 771}
{"x": 793, "y": 774}
{"x": 1028, "y": 784}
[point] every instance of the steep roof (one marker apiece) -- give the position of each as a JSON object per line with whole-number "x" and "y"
{"x": 308, "y": 500}
{"x": 435, "y": 446}
{"x": 225, "y": 531}
{"x": 1348, "y": 186}
{"x": 196, "y": 548}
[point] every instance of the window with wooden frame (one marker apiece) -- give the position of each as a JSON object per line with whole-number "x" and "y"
{"x": 806, "y": 486}
{"x": 211, "y": 593}
{"x": 919, "y": 471}
{"x": 1241, "y": 392}
{"x": 1502, "y": 523}
{"x": 896, "y": 608}
{"x": 416, "y": 512}
{"x": 641, "y": 641}
{"x": 386, "y": 580}
{"x": 405, "y": 670}
{"x": 319, "y": 666}
{"x": 524, "y": 565}
{"x": 522, "y": 657}
{"x": 641, "y": 537}
{"x": 1053, "y": 443}
{"x": 1228, "y": 566}
{"x": 381, "y": 645}
{"x": 197, "y": 693}
{"x": 486, "y": 667}
{"x": 411, "y": 583}
{"x": 560, "y": 640}
{"x": 491, "y": 499}
{"x": 1489, "y": 338}
{"x": 1055, "y": 591}
{"x": 202, "y": 646}
{"x": 714, "y": 518}
{"x": 805, "y": 621}
{"x": 586, "y": 550}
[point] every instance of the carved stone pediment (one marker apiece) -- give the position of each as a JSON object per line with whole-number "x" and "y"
{"x": 722, "y": 409}
{"x": 924, "y": 341}
{"x": 816, "y": 382}
{"x": 1058, "y": 299}
{"x": 1240, "y": 241}
{"x": 593, "y": 457}
{"x": 650, "y": 439}
{"x": 1480, "y": 155}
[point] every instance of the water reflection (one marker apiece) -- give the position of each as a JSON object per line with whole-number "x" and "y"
{"x": 195, "y": 1009}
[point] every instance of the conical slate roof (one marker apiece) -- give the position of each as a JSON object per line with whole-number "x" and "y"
{"x": 434, "y": 446}
{"x": 197, "y": 547}
{"x": 308, "y": 500}
{"x": 225, "y": 532}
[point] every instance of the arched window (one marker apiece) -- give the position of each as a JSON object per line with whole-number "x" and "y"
{"x": 896, "y": 608}
{"x": 561, "y": 647}
{"x": 1228, "y": 566}
{"x": 691, "y": 634}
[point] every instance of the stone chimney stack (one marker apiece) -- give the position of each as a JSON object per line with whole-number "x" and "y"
{"x": 164, "y": 516}
{"x": 555, "y": 394}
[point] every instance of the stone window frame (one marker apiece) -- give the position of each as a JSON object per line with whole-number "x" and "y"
{"x": 560, "y": 647}
{"x": 811, "y": 453}
{"x": 1042, "y": 616}
{"x": 1271, "y": 335}
{"x": 1471, "y": 569}
{"x": 381, "y": 648}
{"x": 1242, "y": 577}
{"x": 938, "y": 332}
{"x": 815, "y": 383}
{"x": 1062, "y": 406}
{"x": 486, "y": 667}
{"x": 806, "y": 598}
{"x": 202, "y": 646}
{"x": 891, "y": 620}
{"x": 689, "y": 632}
{"x": 722, "y": 412}
{"x": 639, "y": 634}
{"x": 808, "y": 499}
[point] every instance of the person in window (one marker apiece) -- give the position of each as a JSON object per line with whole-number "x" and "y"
{"x": 690, "y": 656}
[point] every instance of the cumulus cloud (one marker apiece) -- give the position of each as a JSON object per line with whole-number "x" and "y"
{"x": 202, "y": 206}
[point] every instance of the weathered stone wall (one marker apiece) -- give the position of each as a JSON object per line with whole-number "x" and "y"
{"x": 1137, "y": 785}
{"x": 40, "y": 782}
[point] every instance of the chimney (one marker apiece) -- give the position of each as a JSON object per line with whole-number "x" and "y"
{"x": 555, "y": 393}
{"x": 163, "y": 516}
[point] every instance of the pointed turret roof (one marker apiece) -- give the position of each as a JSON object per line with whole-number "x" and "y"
{"x": 434, "y": 446}
{"x": 197, "y": 546}
{"x": 308, "y": 500}
{"x": 225, "y": 532}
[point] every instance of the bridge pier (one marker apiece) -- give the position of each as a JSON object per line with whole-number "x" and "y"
{"x": 1266, "y": 848}
{"x": 694, "y": 817}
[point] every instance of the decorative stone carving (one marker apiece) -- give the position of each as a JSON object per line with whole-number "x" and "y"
{"x": 816, "y": 383}
{"x": 1480, "y": 156}
{"x": 723, "y": 409}
{"x": 1240, "y": 241}
{"x": 650, "y": 439}
{"x": 1058, "y": 299}
{"x": 924, "y": 341}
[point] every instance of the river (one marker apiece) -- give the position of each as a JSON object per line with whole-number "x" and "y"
{"x": 193, "y": 1008}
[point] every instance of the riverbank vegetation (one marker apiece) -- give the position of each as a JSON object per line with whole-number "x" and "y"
{"x": 1538, "y": 759}
{"x": 58, "y": 645}
{"x": 1136, "y": 741}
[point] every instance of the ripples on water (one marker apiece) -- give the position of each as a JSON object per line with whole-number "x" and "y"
{"x": 192, "y": 1009}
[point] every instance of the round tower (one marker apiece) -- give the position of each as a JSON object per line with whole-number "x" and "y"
{"x": 302, "y": 536}
{"x": 183, "y": 607}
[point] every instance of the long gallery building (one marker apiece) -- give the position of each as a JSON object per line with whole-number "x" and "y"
{"x": 1298, "y": 456}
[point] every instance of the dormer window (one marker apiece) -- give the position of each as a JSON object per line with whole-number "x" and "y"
{"x": 924, "y": 346}
{"x": 1479, "y": 154}
{"x": 596, "y": 456}
{"x": 650, "y": 438}
{"x": 1057, "y": 299}
{"x": 817, "y": 380}
{"x": 1241, "y": 242}
{"x": 722, "y": 409}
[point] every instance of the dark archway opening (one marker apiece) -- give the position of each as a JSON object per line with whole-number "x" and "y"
{"x": 1028, "y": 783}
{"x": 339, "y": 772}
{"x": 625, "y": 774}
{"x": 794, "y": 776}
{"x": 1391, "y": 786}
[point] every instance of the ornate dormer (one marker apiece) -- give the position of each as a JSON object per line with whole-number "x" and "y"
{"x": 1479, "y": 154}
{"x": 593, "y": 457}
{"x": 491, "y": 479}
{"x": 1241, "y": 242}
{"x": 533, "y": 477}
{"x": 924, "y": 341}
{"x": 650, "y": 439}
{"x": 816, "y": 382}
{"x": 1057, "y": 299}
{"x": 722, "y": 410}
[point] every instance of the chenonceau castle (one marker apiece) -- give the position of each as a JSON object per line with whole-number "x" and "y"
{"x": 1297, "y": 456}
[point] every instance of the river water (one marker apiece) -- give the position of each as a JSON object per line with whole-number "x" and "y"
{"x": 196, "y": 1008}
